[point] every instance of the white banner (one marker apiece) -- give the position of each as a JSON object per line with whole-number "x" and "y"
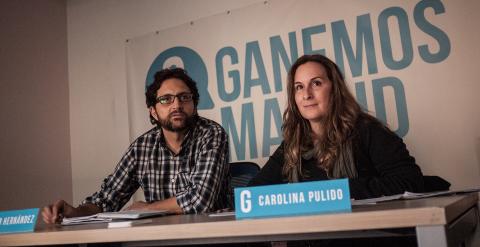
{"x": 401, "y": 59}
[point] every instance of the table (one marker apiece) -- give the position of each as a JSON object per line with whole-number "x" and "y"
{"x": 436, "y": 222}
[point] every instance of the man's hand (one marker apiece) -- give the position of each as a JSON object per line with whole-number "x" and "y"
{"x": 55, "y": 212}
{"x": 139, "y": 205}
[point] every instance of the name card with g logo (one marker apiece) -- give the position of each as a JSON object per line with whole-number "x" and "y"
{"x": 293, "y": 199}
{"x": 18, "y": 220}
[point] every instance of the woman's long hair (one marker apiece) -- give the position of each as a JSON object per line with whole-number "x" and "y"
{"x": 334, "y": 152}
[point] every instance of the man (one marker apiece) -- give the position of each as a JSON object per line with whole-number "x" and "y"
{"x": 181, "y": 164}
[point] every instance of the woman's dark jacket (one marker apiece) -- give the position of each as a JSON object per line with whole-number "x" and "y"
{"x": 383, "y": 164}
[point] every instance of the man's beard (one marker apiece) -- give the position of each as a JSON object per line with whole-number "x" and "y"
{"x": 167, "y": 123}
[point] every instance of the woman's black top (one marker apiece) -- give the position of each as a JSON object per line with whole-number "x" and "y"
{"x": 383, "y": 163}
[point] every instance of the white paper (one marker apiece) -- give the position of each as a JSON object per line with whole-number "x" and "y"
{"x": 220, "y": 214}
{"x": 84, "y": 220}
{"x": 128, "y": 223}
{"x": 412, "y": 195}
{"x": 132, "y": 214}
{"x": 109, "y": 216}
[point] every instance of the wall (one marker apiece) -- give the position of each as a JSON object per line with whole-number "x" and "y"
{"x": 34, "y": 106}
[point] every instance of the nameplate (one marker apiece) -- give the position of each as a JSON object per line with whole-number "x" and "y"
{"x": 18, "y": 220}
{"x": 293, "y": 199}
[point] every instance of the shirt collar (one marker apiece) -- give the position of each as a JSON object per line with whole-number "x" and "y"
{"x": 187, "y": 139}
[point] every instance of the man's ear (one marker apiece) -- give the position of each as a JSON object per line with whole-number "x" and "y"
{"x": 153, "y": 113}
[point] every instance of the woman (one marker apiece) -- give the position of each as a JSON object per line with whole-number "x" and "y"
{"x": 327, "y": 136}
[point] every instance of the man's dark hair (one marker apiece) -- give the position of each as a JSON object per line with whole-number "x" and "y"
{"x": 163, "y": 75}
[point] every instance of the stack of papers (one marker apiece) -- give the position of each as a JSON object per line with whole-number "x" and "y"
{"x": 84, "y": 220}
{"x": 132, "y": 214}
{"x": 411, "y": 195}
{"x": 109, "y": 216}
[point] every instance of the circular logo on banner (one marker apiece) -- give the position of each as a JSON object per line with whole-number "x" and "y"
{"x": 192, "y": 63}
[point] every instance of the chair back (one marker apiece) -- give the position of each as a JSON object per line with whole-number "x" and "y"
{"x": 242, "y": 173}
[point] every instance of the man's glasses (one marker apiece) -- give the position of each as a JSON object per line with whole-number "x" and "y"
{"x": 169, "y": 98}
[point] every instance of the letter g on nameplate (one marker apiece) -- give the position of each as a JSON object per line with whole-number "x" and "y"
{"x": 293, "y": 199}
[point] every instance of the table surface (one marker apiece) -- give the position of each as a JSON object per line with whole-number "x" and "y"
{"x": 385, "y": 215}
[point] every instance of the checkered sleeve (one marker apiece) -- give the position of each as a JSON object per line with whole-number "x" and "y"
{"x": 118, "y": 187}
{"x": 207, "y": 177}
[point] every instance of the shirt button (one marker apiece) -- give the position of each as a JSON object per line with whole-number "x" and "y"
{"x": 173, "y": 180}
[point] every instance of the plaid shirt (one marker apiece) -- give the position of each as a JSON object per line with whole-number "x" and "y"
{"x": 198, "y": 176}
